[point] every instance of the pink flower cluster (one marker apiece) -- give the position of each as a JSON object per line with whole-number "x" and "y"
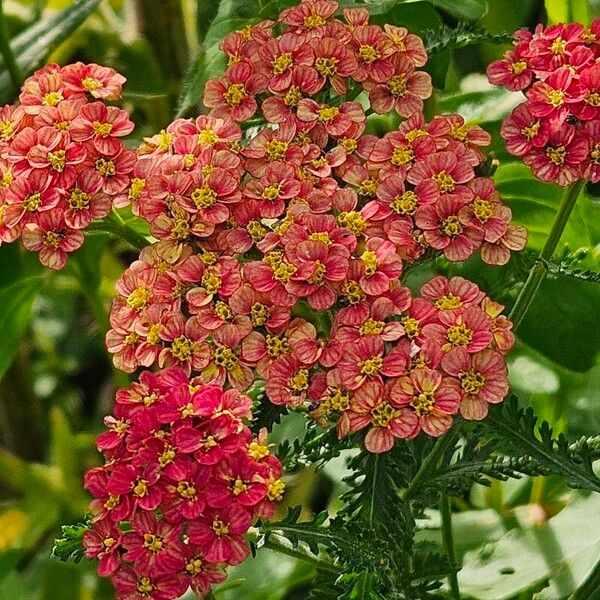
{"x": 278, "y": 249}
{"x": 556, "y": 131}
{"x": 182, "y": 482}
{"x": 62, "y": 160}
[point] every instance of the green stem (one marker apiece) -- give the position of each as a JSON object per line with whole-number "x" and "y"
{"x": 323, "y": 565}
{"x": 114, "y": 224}
{"x": 430, "y": 463}
{"x": 9, "y": 58}
{"x": 538, "y": 271}
{"x": 448, "y": 538}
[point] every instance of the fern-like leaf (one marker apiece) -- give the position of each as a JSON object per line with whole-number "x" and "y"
{"x": 464, "y": 34}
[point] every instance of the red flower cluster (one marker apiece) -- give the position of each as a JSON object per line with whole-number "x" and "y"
{"x": 278, "y": 248}
{"x": 183, "y": 481}
{"x": 62, "y": 160}
{"x": 556, "y": 130}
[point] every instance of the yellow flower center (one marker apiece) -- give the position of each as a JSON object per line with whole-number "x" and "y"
{"x": 57, "y": 160}
{"x": 314, "y": 20}
{"x": 382, "y": 414}
{"x": 397, "y": 85}
{"x": 109, "y": 542}
{"x": 282, "y": 63}
{"x": 33, "y": 202}
{"x": 292, "y": 96}
{"x": 459, "y": 132}
{"x": 368, "y": 53}
{"x": 52, "y": 98}
{"x": 145, "y": 586}
{"x": 368, "y": 187}
{"x": 53, "y": 239}
{"x": 471, "y": 382}
{"x": 277, "y": 346}
{"x": 531, "y": 131}
{"x": 328, "y": 113}
{"x": 131, "y": 339}
{"x": 79, "y": 199}
{"x": 186, "y": 490}
{"x": 353, "y": 220}
{"x": 259, "y": 313}
{"x": 369, "y": 259}
{"x": 105, "y": 167}
{"x": 413, "y": 134}
{"x": 239, "y": 487}
{"x": 140, "y": 488}
{"x": 349, "y": 144}
{"x": 402, "y": 156}
{"x": 299, "y": 381}
{"x": 194, "y": 566}
{"x": 283, "y": 272}
{"x": 138, "y": 298}
{"x": 320, "y": 236}
{"x": 136, "y": 188}
{"x": 112, "y": 502}
{"x": 406, "y": 204}
{"x": 558, "y": 46}
{"x": 102, "y": 129}
{"x": 371, "y": 366}
{"x": 181, "y": 348}
{"x": 181, "y": 230}
{"x": 90, "y": 84}
{"x": 482, "y": 209}
{"x": 275, "y": 490}
{"x": 6, "y": 129}
{"x": 371, "y": 327}
{"x": 445, "y": 181}
{"x": 211, "y": 282}
{"x": 340, "y": 400}
{"x": 595, "y": 154}
{"x": 593, "y": 99}
{"x": 518, "y": 66}
{"x": 256, "y": 230}
{"x": 555, "y": 97}
{"x": 208, "y": 136}
{"x": 167, "y": 457}
{"x": 423, "y": 403}
{"x": 459, "y": 335}
{"x": 271, "y": 192}
{"x": 224, "y": 357}
{"x": 256, "y": 450}
{"x": 411, "y": 326}
{"x": 451, "y": 226}
{"x": 318, "y": 274}
{"x": 276, "y": 149}
{"x": 220, "y": 528}
{"x": 556, "y": 155}
{"x": 353, "y": 293}
{"x": 448, "y": 302}
{"x": 154, "y": 543}
{"x": 235, "y": 93}
{"x": 204, "y": 197}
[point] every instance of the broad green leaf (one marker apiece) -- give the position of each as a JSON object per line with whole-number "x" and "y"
{"x": 211, "y": 62}
{"x": 463, "y": 9}
{"x": 482, "y": 106}
{"x": 36, "y": 43}
{"x": 561, "y": 553}
{"x": 16, "y": 301}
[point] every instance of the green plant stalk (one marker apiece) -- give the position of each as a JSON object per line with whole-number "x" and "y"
{"x": 114, "y": 224}
{"x": 323, "y": 565}
{"x": 538, "y": 271}
{"x": 448, "y": 538}
{"x": 9, "y": 58}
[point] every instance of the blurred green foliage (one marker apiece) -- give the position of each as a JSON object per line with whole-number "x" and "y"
{"x": 56, "y": 380}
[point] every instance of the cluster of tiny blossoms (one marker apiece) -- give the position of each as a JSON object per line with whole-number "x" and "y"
{"x": 556, "y": 131}
{"x": 62, "y": 162}
{"x": 279, "y": 251}
{"x": 182, "y": 482}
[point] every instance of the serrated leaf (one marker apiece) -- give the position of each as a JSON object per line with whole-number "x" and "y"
{"x": 34, "y": 45}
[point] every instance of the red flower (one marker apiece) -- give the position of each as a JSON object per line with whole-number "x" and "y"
{"x": 131, "y": 585}
{"x": 28, "y": 197}
{"x": 333, "y": 61}
{"x": 335, "y": 120}
{"x": 523, "y": 132}
{"x": 278, "y": 184}
{"x": 432, "y": 397}
{"x": 98, "y": 81}
{"x": 380, "y": 266}
{"x": 103, "y": 542}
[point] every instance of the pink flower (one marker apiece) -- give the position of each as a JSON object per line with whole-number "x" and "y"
{"x": 278, "y": 184}
{"x": 333, "y": 61}
{"x": 233, "y": 95}
{"x": 102, "y": 125}
{"x": 28, "y": 197}
{"x": 98, "y": 81}
{"x": 51, "y": 237}
{"x": 380, "y": 266}
{"x": 131, "y": 585}
{"x": 103, "y": 542}
{"x": 513, "y": 71}
{"x": 523, "y": 132}
{"x": 451, "y": 294}
{"x": 432, "y": 397}
{"x": 483, "y": 380}
{"x": 335, "y": 120}
{"x": 85, "y": 201}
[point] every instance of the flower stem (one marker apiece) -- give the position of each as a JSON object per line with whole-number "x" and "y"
{"x": 323, "y": 565}
{"x": 538, "y": 271}
{"x": 431, "y": 460}
{"x": 114, "y": 224}
{"x": 13, "y": 68}
{"x": 448, "y": 538}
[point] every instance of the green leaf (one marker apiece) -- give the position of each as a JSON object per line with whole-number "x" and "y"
{"x": 35, "y": 44}
{"x": 69, "y": 546}
{"x": 210, "y": 61}
{"x": 558, "y": 554}
{"x": 518, "y": 431}
{"x": 463, "y": 9}
{"x": 16, "y": 301}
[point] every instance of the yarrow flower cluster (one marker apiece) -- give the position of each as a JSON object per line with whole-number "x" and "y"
{"x": 183, "y": 481}
{"x": 62, "y": 160}
{"x": 279, "y": 252}
{"x": 556, "y": 131}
